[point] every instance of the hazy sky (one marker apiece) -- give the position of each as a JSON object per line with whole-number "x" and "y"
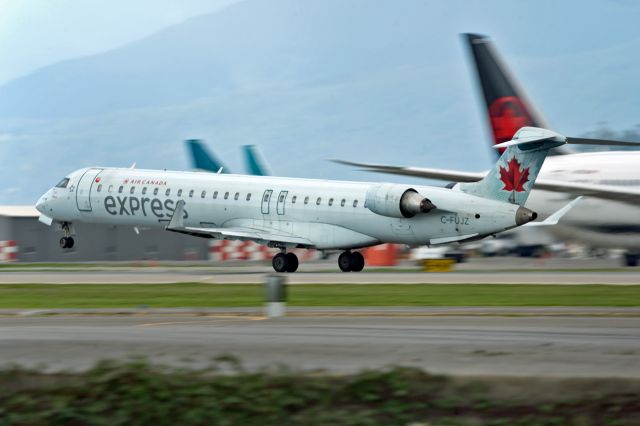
{"x": 34, "y": 33}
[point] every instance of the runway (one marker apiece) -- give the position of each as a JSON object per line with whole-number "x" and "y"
{"x": 461, "y": 345}
{"x": 234, "y": 276}
{"x": 477, "y": 270}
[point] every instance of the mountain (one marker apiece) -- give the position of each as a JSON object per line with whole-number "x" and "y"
{"x": 366, "y": 80}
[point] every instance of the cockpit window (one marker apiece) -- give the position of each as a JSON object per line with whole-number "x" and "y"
{"x": 63, "y": 183}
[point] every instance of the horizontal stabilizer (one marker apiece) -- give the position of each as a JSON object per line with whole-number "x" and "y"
{"x": 555, "y": 217}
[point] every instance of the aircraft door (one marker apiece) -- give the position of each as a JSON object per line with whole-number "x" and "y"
{"x": 84, "y": 187}
{"x": 282, "y": 198}
{"x": 266, "y": 199}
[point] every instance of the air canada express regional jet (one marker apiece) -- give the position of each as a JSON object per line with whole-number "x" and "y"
{"x": 304, "y": 213}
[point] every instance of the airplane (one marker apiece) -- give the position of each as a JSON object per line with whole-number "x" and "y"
{"x": 306, "y": 213}
{"x": 204, "y": 160}
{"x": 612, "y": 175}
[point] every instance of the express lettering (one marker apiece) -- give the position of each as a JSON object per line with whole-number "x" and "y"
{"x": 132, "y": 206}
{"x": 454, "y": 220}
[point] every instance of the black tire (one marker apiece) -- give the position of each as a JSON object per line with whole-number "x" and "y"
{"x": 279, "y": 262}
{"x": 70, "y": 242}
{"x": 63, "y": 242}
{"x": 357, "y": 261}
{"x": 292, "y": 262}
{"x": 631, "y": 259}
{"x": 344, "y": 261}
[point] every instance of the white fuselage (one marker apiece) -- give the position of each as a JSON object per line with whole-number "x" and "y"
{"x": 331, "y": 214}
{"x": 594, "y": 221}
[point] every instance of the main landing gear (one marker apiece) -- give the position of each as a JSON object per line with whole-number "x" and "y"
{"x": 285, "y": 262}
{"x": 67, "y": 241}
{"x": 351, "y": 262}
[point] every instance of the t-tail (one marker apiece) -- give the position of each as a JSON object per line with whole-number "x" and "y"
{"x": 507, "y": 107}
{"x": 512, "y": 178}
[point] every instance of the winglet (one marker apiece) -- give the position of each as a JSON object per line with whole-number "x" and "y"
{"x": 177, "y": 221}
{"x": 555, "y": 217}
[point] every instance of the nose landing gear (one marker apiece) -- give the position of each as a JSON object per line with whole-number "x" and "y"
{"x": 285, "y": 262}
{"x": 351, "y": 262}
{"x": 67, "y": 241}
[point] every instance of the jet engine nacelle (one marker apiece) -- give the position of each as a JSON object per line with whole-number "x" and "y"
{"x": 393, "y": 200}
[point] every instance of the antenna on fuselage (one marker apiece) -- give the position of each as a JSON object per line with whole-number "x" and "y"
{"x": 219, "y": 170}
{"x": 133, "y": 166}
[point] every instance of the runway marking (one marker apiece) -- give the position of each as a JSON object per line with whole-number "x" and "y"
{"x": 213, "y": 320}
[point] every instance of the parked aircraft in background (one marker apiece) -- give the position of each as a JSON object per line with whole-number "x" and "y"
{"x": 305, "y": 213}
{"x": 202, "y": 159}
{"x": 608, "y": 218}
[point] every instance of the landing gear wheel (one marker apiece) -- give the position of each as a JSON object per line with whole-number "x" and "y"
{"x": 66, "y": 242}
{"x": 631, "y": 259}
{"x": 357, "y": 261}
{"x": 279, "y": 262}
{"x": 292, "y": 262}
{"x": 344, "y": 261}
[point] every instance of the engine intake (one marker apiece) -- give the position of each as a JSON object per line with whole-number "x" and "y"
{"x": 394, "y": 200}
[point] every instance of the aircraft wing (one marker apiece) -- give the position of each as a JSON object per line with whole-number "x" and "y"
{"x": 270, "y": 237}
{"x": 440, "y": 174}
{"x": 630, "y": 195}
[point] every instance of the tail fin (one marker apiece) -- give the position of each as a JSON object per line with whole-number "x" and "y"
{"x": 255, "y": 162}
{"x": 513, "y": 176}
{"x": 506, "y": 104}
{"x": 202, "y": 159}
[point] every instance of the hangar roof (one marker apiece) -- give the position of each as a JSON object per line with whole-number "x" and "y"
{"x": 19, "y": 211}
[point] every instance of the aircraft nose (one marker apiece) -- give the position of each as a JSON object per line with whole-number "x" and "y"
{"x": 41, "y": 205}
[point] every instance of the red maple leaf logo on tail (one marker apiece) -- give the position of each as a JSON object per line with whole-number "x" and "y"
{"x": 512, "y": 177}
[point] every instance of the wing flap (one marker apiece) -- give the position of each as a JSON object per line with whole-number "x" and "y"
{"x": 261, "y": 236}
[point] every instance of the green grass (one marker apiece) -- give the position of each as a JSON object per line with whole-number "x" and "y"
{"x": 52, "y": 296}
{"x": 137, "y": 393}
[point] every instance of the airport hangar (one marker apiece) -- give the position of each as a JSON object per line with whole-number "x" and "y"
{"x": 24, "y": 239}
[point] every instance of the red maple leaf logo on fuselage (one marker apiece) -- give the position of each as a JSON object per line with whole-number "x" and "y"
{"x": 512, "y": 177}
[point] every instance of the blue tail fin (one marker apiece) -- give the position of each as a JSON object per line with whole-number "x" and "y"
{"x": 255, "y": 162}
{"x": 202, "y": 159}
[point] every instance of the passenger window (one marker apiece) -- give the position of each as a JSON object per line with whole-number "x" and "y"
{"x": 355, "y": 203}
{"x": 110, "y": 188}
{"x": 167, "y": 192}
{"x": 191, "y": 194}
{"x": 306, "y": 200}
{"x": 132, "y": 190}
{"x": 63, "y": 183}
{"x": 236, "y": 196}
{"x": 179, "y": 192}
{"x": 293, "y": 199}
{"x": 144, "y": 190}
{"x": 204, "y": 193}
{"x": 248, "y": 197}
{"x": 226, "y": 195}
{"x": 318, "y": 201}
{"x": 99, "y": 187}
{"x": 120, "y": 189}
{"x": 281, "y": 198}
{"x": 342, "y": 202}
{"x": 330, "y": 201}
{"x": 215, "y": 195}
{"x": 155, "y": 191}
{"x": 266, "y": 196}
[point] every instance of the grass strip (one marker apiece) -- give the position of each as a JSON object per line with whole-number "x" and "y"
{"x": 137, "y": 393}
{"x": 50, "y": 296}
